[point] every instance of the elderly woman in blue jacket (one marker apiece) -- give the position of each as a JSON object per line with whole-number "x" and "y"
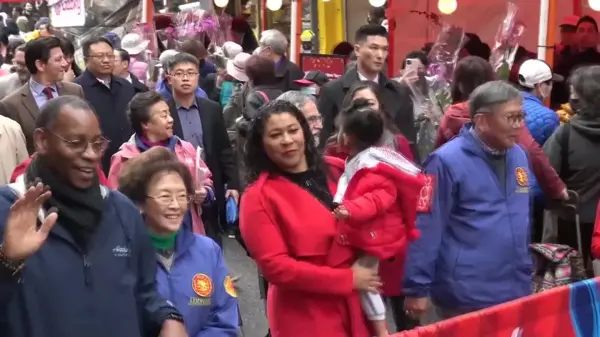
{"x": 191, "y": 271}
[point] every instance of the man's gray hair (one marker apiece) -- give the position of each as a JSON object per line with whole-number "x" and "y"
{"x": 297, "y": 98}
{"x": 488, "y": 96}
{"x": 274, "y": 39}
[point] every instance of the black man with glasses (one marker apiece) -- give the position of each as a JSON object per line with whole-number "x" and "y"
{"x": 75, "y": 256}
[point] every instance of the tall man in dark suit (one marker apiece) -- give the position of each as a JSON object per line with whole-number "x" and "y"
{"x": 121, "y": 69}
{"x": 109, "y": 95}
{"x": 200, "y": 122}
{"x": 45, "y": 61}
{"x": 371, "y": 52}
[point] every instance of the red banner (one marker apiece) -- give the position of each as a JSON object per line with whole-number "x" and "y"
{"x": 568, "y": 311}
{"x": 332, "y": 65}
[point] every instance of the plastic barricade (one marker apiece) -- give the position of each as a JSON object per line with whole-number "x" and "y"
{"x": 569, "y": 311}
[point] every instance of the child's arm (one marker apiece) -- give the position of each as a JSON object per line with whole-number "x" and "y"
{"x": 371, "y": 204}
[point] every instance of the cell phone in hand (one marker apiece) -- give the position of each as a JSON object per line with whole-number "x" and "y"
{"x": 412, "y": 64}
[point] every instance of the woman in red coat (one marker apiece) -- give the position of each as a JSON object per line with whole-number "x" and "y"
{"x": 287, "y": 223}
{"x": 391, "y": 137}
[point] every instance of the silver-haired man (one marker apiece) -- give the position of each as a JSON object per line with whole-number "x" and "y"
{"x": 308, "y": 105}
{"x": 273, "y": 45}
{"x": 473, "y": 214}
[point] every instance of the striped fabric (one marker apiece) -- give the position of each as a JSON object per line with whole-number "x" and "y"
{"x": 568, "y": 311}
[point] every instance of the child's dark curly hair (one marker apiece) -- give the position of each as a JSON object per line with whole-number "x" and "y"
{"x": 362, "y": 123}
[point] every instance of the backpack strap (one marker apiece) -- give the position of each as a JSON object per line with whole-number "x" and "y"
{"x": 263, "y": 95}
{"x": 564, "y": 150}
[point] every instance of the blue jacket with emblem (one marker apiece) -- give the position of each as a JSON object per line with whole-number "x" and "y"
{"x": 108, "y": 291}
{"x": 199, "y": 285}
{"x": 473, "y": 249}
{"x": 540, "y": 120}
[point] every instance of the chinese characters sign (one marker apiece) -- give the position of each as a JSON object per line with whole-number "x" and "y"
{"x": 332, "y": 65}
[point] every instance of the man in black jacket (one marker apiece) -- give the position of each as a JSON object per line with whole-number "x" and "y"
{"x": 107, "y": 94}
{"x": 200, "y": 122}
{"x": 371, "y": 52}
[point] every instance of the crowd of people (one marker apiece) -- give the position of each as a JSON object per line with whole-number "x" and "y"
{"x": 117, "y": 192}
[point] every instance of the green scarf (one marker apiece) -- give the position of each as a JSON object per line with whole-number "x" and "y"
{"x": 161, "y": 242}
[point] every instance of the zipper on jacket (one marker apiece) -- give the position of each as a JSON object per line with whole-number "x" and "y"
{"x": 87, "y": 272}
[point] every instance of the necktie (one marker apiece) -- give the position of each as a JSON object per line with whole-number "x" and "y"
{"x": 48, "y": 92}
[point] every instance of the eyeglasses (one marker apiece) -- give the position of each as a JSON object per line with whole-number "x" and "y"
{"x": 166, "y": 199}
{"x": 101, "y": 57}
{"x": 314, "y": 119}
{"x": 79, "y": 146}
{"x": 515, "y": 119}
{"x": 182, "y": 75}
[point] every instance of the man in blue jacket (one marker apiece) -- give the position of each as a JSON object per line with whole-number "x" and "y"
{"x": 536, "y": 79}
{"x": 474, "y": 214}
{"x": 75, "y": 257}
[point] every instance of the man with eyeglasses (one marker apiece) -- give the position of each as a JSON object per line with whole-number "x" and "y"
{"x": 107, "y": 94}
{"x": 307, "y": 104}
{"x": 74, "y": 255}
{"x": 474, "y": 214}
{"x": 45, "y": 61}
{"x": 19, "y": 75}
{"x": 200, "y": 121}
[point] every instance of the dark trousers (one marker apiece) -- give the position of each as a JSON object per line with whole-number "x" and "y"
{"x": 402, "y": 321}
{"x": 210, "y": 217}
{"x": 537, "y": 227}
{"x": 567, "y": 235}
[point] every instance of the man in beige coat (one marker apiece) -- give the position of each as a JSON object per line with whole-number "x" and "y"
{"x": 45, "y": 61}
{"x": 12, "y": 148}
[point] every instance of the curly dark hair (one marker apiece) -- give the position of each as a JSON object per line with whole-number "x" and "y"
{"x": 139, "y": 173}
{"x": 256, "y": 159}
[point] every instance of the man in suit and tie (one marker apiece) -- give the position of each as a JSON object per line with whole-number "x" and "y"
{"x": 200, "y": 122}
{"x": 45, "y": 61}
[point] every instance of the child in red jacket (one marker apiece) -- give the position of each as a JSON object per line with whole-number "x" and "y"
{"x": 376, "y": 198}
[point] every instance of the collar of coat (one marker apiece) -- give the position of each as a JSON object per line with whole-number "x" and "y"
{"x": 351, "y": 76}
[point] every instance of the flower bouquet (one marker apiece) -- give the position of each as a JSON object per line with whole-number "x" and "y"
{"x": 507, "y": 42}
{"x": 197, "y": 24}
{"x": 431, "y": 94}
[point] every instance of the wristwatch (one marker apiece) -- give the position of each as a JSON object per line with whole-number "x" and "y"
{"x": 14, "y": 267}
{"x": 175, "y": 317}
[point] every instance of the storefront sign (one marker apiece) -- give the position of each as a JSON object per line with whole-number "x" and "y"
{"x": 67, "y": 13}
{"x": 332, "y": 65}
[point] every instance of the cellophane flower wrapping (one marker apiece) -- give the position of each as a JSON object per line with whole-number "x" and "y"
{"x": 507, "y": 42}
{"x": 196, "y": 24}
{"x": 431, "y": 94}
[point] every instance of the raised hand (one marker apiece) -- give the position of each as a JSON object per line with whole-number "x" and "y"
{"x": 22, "y": 237}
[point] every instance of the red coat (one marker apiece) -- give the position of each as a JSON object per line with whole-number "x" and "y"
{"x": 595, "y": 249}
{"x": 391, "y": 270}
{"x": 332, "y": 149}
{"x": 289, "y": 233}
{"x": 382, "y": 203}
